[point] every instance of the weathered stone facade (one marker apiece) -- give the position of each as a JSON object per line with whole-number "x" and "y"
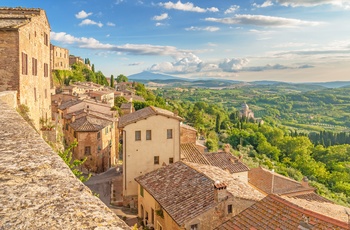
{"x": 38, "y": 190}
{"x": 59, "y": 58}
{"x": 25, "y": 59}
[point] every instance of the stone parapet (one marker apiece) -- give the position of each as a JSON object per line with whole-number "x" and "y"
{"x": 38, "y": 190}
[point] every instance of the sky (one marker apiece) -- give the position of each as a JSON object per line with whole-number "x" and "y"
{"x": 246, "y": 40}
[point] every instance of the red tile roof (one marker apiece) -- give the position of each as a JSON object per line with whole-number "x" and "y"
{"x": 271, "y": 182}
{"x": 182, "y": 192}
{"x": 313, "y": 197}
{"x": 275, "y": 212}
{"x": 226, "y": 161}
{"x": 89, "y": 124}
{"x": 190, "y": 153}
{"x": 145, "y": 113}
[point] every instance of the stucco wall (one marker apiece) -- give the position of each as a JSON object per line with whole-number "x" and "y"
{"x": 38, "y": 190}
{"x": 138, "y": 156}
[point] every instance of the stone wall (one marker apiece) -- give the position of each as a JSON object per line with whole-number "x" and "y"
{"x": 10, "y": 98}
{"x": 38, "y": 190}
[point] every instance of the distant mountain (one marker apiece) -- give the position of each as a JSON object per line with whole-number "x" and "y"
{"x": 149, "y": 76}
{"x": 331, "y": 84}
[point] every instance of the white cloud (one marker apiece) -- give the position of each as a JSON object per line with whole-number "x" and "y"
{"x": 265, "y": 4}
{"x": 82, "y": 14}
{"x": 90, "y": 22}
{"x": 233, "y": 65}
{"x": 184, "y": 63}
{"x": 212, "y": 44}
{"x": 160, "y": 17}
{"x": 134, "y": 49}
{"x": 232, "y": 9}
{"x": 110, "y": 24}
{"x": 117, "y": 2}
{"x": 307, "y": 3}
{"x": 208, "y": 28}
{"x": 262, "y": 20}
{"x": 188, "y": 6}
{"x": 135, "y": 64}
{"x": 160, "y": 24}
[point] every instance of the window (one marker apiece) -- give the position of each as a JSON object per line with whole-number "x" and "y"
{"x": 34, "y": 67}
{"x": 46, "y": 39}
{"x": 98, "y": 135}
{"x": 45, "y": 93}
{"x": 171, "y": 160}
{"x": 87, "y": 150}
{"x": 137, "y": 135}
{"x": 229, "y": 208}
{"x": 194, "y": 227}
{"x": 106, "y": 130}
{"x": 169, "y": 133}
{"x": 141, "y": 191}
{"x": 66, "y": 126}
{"x": 159, "y": 227}
{"x": 152, "y": 216}
{"x": 46, "y": 70}
{"x": 148, "y": 135}
{"x": 24, "y": 63}
{"x": 35, "y": 94}
{"x": 156, "y": 160}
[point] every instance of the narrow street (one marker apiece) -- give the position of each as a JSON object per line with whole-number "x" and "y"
{"x": 101, "y": 184}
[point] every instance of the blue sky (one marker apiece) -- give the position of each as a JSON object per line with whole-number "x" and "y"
{"x": 284, "y": 40}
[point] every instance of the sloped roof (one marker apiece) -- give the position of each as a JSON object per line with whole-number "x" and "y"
{"x": 89, "y": 124}
{"x": 235, "y": 186}
{"x": 185, "y": 126}
{"x": 68, "y": 104}
{"x": 313, "y": 197}
{"x": 145, "y": 113}
{"x": 271, "y": 182}
{"x": 190, "y": 153}
{"x": 226, "y": 161}
{"x": 182, "y": 192}
{"x": 275, "y": 212}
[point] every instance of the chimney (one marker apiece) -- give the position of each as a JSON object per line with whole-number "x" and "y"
{"x": 220, "y": 192}
{"x": 227, "y": 148}
{"x": 73, "y": 117}
{"x": 305, "y": 182}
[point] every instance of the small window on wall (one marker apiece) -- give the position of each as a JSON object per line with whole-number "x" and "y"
{"x": 229, "y": 208}
{"x": 87, "y": 150}
{"x": 46, "y": 39}
{"x": 24, "y": 64}
{"x": 169, "y": 133}
{"x": 194, "y": 227}
{"x": 159, "y": 227}
{"x": 98, "y": 135}
{"x": 156, "y": 160}
{"x": 141, "y": 191}
{"x": 137, "y": 135}
{"x": 46, "y": 70}
{"x": 171, "y": 160}
{"x": 148, "y": 135}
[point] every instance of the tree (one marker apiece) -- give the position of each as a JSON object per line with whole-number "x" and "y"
{"x": 118, "y": 101}
{"x": 66, "y": 156}
{"x": 93, "y": 68}
{"x": 112, "y": 81}
{"x": 122, "y": 78}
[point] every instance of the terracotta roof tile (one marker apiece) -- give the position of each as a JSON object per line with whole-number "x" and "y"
{"x": 271, "y": 182}
{"x": 183, "y": 192}
{"x": 188, "y": 127}
{"x": 144, "y": 113}
{"x": 226, "y": 161}
{"x": 313, "y": 197}
{"x": 68, "y": 104}
{"x": 190, "y": 153}
{"x": 236, "y": 187}
{"x": 126, "y": 106}
{"x": 89, "y": 124}
{"x": 274, "y": 212}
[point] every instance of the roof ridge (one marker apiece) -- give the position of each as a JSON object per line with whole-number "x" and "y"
{"x": 309, "y": 212}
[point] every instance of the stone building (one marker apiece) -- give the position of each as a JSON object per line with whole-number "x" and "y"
{"x": 245, "y": 112}
{"x": 59, "y": 58}
{"x": 151, "y": 138}
{"x": 25, "y": 59}
{"x": 94, "y": 126}
{"x": 185, "y": 195}
{"x": 74, "y": 59}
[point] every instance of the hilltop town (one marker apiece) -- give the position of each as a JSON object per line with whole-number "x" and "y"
{"x": 164, "y": 171}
